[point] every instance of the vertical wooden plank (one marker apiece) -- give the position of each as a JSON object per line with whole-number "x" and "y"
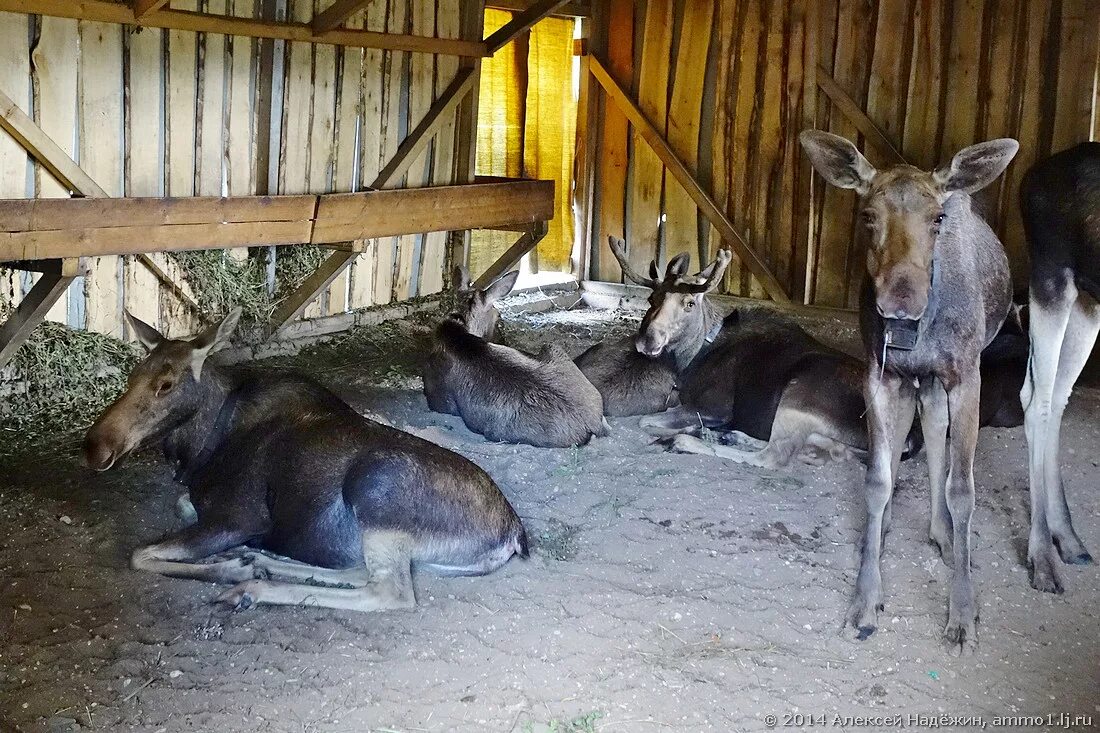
{"x": 1033, "y": 41}
{"x": 826, "y": 43}
{"x": 886, "y": 90}
{"x": 802, "y": 81}
{"x": 421, "y": 91}
{"x": 1076, "y": 73}
{"x": 370, "y": 155}
{"x": 434, "y": 252}
{"x": 771, "y": 200}
{"x": 647, "y": 175}
{"x": 348, "y": 100}
{"x": 964, "y": 58}
{"x": 15, "y": 80}
{"x": 100, "y": 114}
{"x": 210, "y": 113}
{"x": 684, "y": 119}
{"x": 613, "y": 162}
{"x": 240, "y": 111}
{"x": 920, "y": 142}
{"x": 998, "y": 87}
{"x": 322, "y": 139}
{"x": 181, "y": 58}
{"x": 294, "y": 165}
{"x": 471, "y": 26}
{"x": 144, "y": 58}
{"x": 840, "y": 260}
{"x": 724, "y": 58}
{"x": 394, "y": 61}
{"x": 54, "y": 60}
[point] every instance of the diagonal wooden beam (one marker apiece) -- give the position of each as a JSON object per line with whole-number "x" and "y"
{"x": 858, "y": 117}
{"x": 511, "y": 257}
{"x": 521, "y": 23}
{"x": 411, "y": 147}
{"x": 145, "y": 7}
{"x": 675, "y": 166}
{"x": 335, "y": 15}
{"x": 104, "y": 11}
{"x": 70, "y": 175}
{"x": 56, "y": 276}
{"x": 36, "y": 142}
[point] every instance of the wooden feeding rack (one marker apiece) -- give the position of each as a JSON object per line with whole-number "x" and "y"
{"x": 53, "y": 235}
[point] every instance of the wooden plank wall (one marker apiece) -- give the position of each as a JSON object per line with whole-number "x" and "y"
{"x": 726, "y": 80}
{"x": 149, "y": 113}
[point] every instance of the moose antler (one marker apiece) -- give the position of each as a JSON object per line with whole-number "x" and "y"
{"x": 717, "y": 268}
{"x": 618, "y": 248}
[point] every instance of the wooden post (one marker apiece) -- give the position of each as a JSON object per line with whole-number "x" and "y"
{"x": 473, "y": 23}
{"x": 585, "y": 164}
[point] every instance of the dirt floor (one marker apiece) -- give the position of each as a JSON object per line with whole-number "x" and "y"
{"x": 664, "y": 592}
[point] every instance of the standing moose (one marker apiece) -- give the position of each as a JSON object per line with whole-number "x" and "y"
{"x": 936, "y": 293}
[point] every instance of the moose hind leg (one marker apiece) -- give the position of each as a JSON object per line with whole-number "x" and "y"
{"x": 1080, "y": 336}
{"x": 1048, "y": 324}
{"x": 388, "y": 560}
{"x": 267, "y": 567}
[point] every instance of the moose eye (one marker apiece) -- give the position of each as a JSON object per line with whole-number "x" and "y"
{"x": 868, "y": 218}
{"x": 689, "y": 304}
{"x": 164, "y": 387}
{"x": 938, "y": 220}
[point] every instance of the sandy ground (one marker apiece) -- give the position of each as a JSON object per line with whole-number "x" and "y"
{"x": 664, "y": 592}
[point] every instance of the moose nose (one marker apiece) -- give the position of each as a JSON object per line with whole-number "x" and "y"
{"x": 900, "y": 313}
{"x": 649, "y": 347}
{"x": 98, "y": 456}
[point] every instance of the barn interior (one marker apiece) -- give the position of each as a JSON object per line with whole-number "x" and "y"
{"x": 324, "y": 166}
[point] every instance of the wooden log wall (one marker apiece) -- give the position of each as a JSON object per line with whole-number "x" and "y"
{"x": 148, "y": 112}
{"x": 731, "y": 83}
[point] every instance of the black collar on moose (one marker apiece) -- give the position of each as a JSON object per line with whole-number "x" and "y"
{"x": 214, "y": 438}
{"x": 900, "y": 333}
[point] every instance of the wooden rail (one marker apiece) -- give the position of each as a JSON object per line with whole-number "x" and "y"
{"x": 104, "y": 11}
{"x": 37, "y": 229}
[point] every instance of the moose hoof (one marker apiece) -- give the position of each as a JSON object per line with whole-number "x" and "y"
{"x": 1044, "y": 574}
{"x": 862, "y": 618}
{"x": 241, "y": 597}
{"x": 258, "y": 568}
{"x": 960, "y": 638}
{"x": 1071, "y": 550}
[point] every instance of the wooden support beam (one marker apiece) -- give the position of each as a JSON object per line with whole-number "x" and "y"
{"x": 571, "y": 9}
{"x": 336, "y": 14}
{"x": 859, "y": 118}
{"x": 521, "y": 23}
{"x": 414, "y": 143}
{"x": 675, "y": 166}
{"x": 511, "y": 257}
{"x": 36, "y": 142}
{"x": 56, "y": 276}
{"x": 104, "y": 11}
{"x": 145, "y": 7}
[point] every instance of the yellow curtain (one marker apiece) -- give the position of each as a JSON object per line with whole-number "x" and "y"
{"x": 527, "y": 127}
{"x": 551, "y": 132}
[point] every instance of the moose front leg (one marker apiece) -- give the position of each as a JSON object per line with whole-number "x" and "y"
{"x": 960, "y": 634}
{"x": 934, "y": 422}
{"x": 175, "y": 555}
{"x": 890, "y": 407}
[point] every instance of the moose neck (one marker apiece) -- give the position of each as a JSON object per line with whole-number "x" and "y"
{"x": 190, "y": 444}
{"x": 694, "y": 338}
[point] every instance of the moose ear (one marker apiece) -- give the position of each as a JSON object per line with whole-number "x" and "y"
{"x": 501, "y": 287}
{"x": 974, "y": 168}
{"x": 654, "y": 271}
{"x": 212, "y": 338}
{"x": 148, "y": 336}
{"x": 460, "y": 277}
{"x": 678, "y": 266}
{"x": 837, "y": 160}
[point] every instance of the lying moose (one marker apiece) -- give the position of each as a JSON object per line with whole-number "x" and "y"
{"x": 279, "y": 463}
{"x": 500, "y": 392}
